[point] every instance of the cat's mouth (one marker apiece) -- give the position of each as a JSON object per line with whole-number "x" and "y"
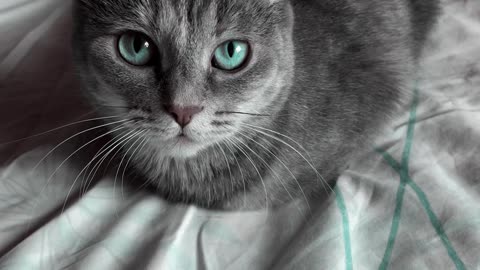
{"x": 184, "y": 139}
{"x": 181, "y": 142}
{"x": 180, "y": 145}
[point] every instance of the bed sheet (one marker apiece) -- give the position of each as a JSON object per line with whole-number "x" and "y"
{"x": 411, "y": 202}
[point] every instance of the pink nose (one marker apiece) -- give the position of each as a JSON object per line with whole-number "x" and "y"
{"x": 183, "y": 115}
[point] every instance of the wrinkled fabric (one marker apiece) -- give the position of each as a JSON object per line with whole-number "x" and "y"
{"x": 411, "y": 202}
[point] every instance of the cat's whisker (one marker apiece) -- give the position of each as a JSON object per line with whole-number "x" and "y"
{"x": 255, "y": 167}
{"x": 59, "y": 128}
{"x": 100, "y": 152}
{"x": 267, "y": 130}
{"x": 228, "y": 164}
{"x": 267, "y": 165}
{"x": 320, "y": 177}
{"x": 71, "y": 155}
{"x": 126, "y": 141}
{"x": 121, "y": 126}
{"x": 281, "y": 135}
{"x": 232, "y": 151}
{"x": 243, "y": 113}
{"x": 76, "y": 135}
{"x": 142, "y": 146}
{"x": 114, "y": 146}
{"x": 86, "y": 167}
{"x": 148, "y": 182}
{"x": 282, "y": 163}
{"x": 65, "y": 160}
{"x": 141, "y": 139}
{"x": 157, "y": 185}
{"x": 111, "y": 146}
{"x": 118, "y": 148}
{"x": 113, "y": 106}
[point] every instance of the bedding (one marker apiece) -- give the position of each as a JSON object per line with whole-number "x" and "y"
{"x": 412, "y": 201}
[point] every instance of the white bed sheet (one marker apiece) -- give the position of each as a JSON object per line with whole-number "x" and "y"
{"x": 412, "y": 202}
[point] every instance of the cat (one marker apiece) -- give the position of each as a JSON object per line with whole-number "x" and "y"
{"x": 239, "y": 104}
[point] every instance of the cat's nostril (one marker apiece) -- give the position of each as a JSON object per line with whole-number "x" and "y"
{"x": 183, "y": 115}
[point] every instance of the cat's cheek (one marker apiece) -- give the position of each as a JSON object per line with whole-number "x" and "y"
{"x": 108, "y": 99}
{"x": 102, "y": 49}
{"x": 199, "y": 126}
{"x": 117, "y": 86}
{"x": 264, "y": 88}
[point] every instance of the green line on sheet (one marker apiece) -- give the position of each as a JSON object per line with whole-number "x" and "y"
{"x": 403, "y": 180}
{"x": 403, "y": 170}
{"x": 346, "y": 229}
{"x": 410, "y": 132}
{"x": 437, "y": 225}
{"x": 395, "y": 225}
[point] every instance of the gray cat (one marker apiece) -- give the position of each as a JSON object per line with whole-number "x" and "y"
{"x": 246, "y": 103}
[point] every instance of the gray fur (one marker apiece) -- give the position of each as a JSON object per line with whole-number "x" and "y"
{"x": 324, "y": 73}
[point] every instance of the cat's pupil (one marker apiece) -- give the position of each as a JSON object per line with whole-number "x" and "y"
{"x": 231, "y": 49}
{"x": 137, "y": 44}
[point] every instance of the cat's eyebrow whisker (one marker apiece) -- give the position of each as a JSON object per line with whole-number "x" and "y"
{"x": 254, "y": 166}
{"x": 320, "y": 177}
{"x": 58, "y": 128}
{"x": 282, "y": 163}
{"x": 268, "y": 165}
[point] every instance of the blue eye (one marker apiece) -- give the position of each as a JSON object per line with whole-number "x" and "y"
{"x": 136, "y": 48}
{"x": 231, "y": 55}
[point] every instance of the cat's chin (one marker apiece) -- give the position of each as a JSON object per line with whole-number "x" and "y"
{"x": 180, "y": 148}
{"x": 185, "y": 150}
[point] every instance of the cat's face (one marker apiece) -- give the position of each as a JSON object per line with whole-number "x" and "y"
{"x": 212, "y": 98}
{"x": 186, "y": 74}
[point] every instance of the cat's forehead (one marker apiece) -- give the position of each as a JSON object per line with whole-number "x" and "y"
{"x": 182, "y": 15}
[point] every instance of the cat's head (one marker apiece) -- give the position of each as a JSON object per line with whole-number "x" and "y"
{"x": 185, "y": 74}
